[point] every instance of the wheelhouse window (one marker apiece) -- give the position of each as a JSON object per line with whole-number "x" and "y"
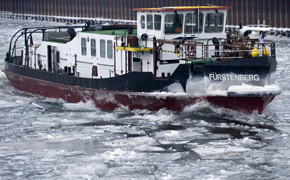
{"x": 193, "y": 24}
{"x": 214, "y": 22}
{"x": 149, "y": 21}
{"x": 93, "y": 47}
{"x": 157, "y": 22}
{"x": 84, "y": 46}
{"x": 103, "y": 48}
{"x": 110, "y": 49}
{"x": 173, "y": 23}
{"x": 142, "y": 21}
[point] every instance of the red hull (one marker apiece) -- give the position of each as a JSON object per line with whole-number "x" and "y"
{"x": 110, "y": 100}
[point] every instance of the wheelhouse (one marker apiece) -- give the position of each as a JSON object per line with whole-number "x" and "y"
{"x": 176, "y": 22}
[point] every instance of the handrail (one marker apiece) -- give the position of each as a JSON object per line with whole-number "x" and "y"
{"x": 227, "y": 49}
{"x": 26, "y": 30}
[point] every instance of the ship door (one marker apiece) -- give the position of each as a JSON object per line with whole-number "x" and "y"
{"x": 49, "y": 59}
{"x": 56, "y": 62}
{"x": 137, "y": 64}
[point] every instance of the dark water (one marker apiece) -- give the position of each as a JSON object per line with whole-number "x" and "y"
{"x": 51, "y": 139}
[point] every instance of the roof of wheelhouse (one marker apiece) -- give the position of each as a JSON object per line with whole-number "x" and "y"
{"x": 182, "y": 8}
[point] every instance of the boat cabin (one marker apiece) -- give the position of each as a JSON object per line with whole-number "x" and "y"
{"x": 180, "y": 22}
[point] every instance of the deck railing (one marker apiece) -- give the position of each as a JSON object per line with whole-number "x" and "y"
{"x": 226, "y": 49}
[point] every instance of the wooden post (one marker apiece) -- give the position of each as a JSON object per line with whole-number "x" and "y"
{"x": 154, "y": 56}
{"x": 287, "y": 9}
{"x": 281, "y": 14}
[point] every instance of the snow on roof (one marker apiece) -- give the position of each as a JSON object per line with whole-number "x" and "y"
{"x": 182, "y": 8}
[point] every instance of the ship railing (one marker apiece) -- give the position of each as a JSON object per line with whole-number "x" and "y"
{"x": 224, "y": 52}
{"x": 226, "y": 49}
{"x": 27, "y": 34}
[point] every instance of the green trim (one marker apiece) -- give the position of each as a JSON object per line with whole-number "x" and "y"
{"x": 57, "y": 40}
{"x": 200, "y": 60}
{"x": 118, "y": 32}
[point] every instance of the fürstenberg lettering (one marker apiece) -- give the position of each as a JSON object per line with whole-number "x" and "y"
{"x": 234, "y": 77}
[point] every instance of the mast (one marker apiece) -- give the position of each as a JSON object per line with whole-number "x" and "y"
{"x": 198, "y": 21}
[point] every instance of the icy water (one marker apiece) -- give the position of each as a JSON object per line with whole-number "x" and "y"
{"x": 51, "y": 139}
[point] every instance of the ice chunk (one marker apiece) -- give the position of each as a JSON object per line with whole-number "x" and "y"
{"x": 250, "y": 89}
{"x": 81, "y": 106}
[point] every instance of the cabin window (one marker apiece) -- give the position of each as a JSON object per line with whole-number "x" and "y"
{"x": 142, "y": 22}
{"x": 157, "y": 22}
{"x": 110, "y": 49}
{"x": 192, "y": 21}
{"x": 173, "y": 23}
{"x": 149, "y": 21}
{"x": 102, "y": 48}
{"x": 84, "y": 46}
{"x": 93, "y": 47}
{"x": 214, "y": 22}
